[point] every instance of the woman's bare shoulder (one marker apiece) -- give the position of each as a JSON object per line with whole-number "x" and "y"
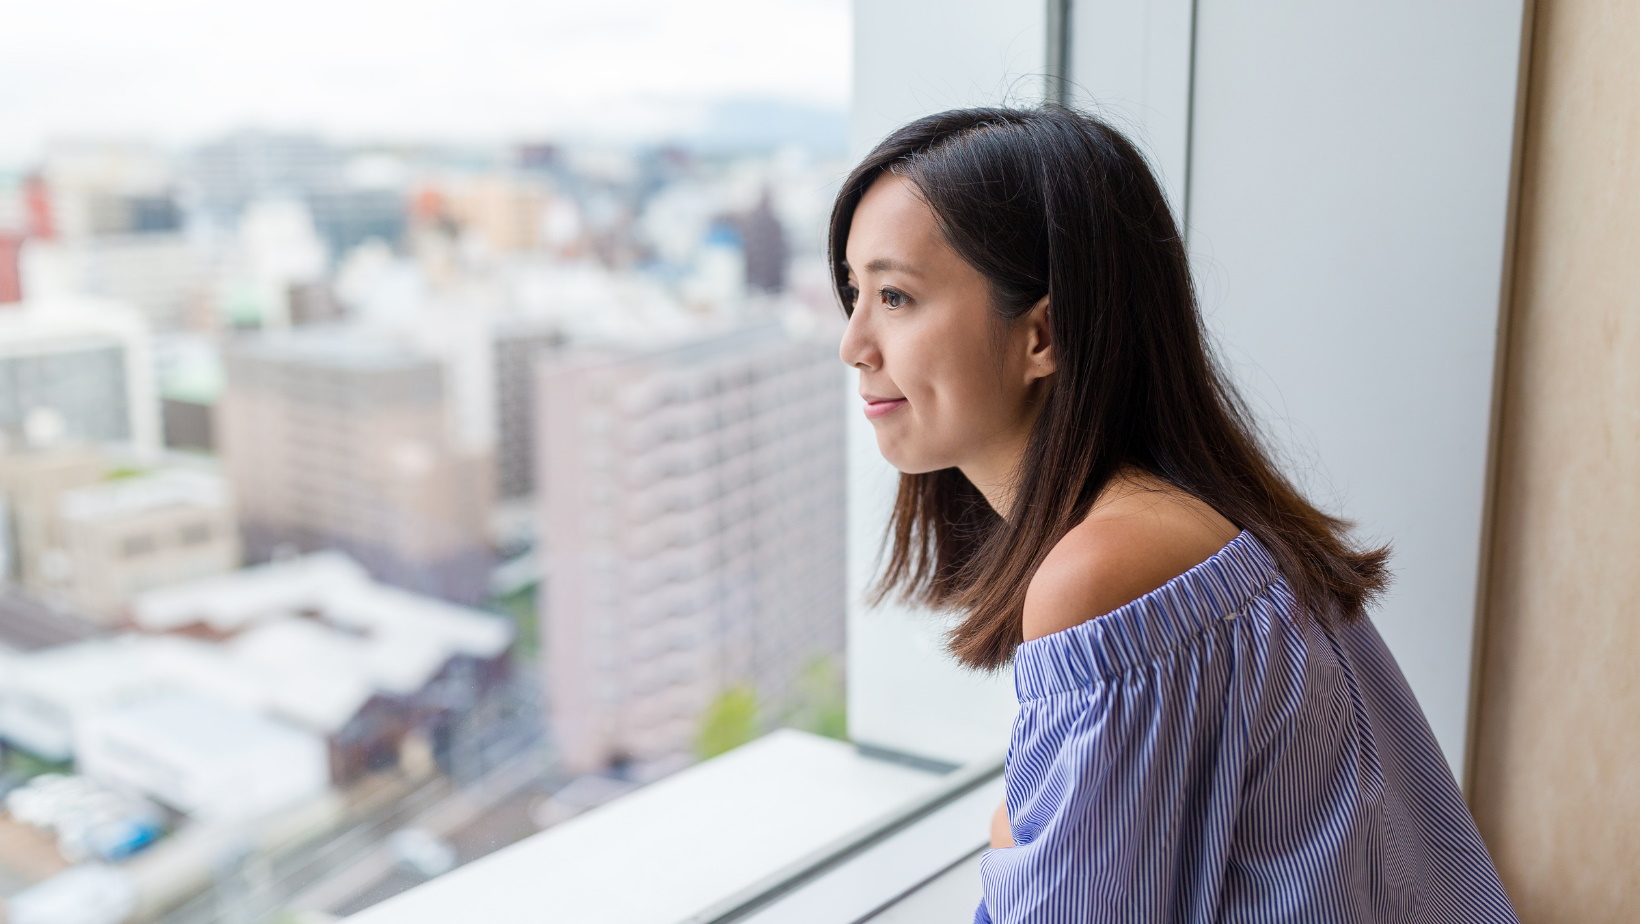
{"x": 1140, "y": 534}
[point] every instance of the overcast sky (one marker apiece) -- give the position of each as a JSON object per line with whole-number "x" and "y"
{"x": 175, "y": 71}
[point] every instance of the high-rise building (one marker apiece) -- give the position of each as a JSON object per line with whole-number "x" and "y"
{"x": 766, "y": 250}
{"x": 230, "y": 172}
{"x": 487, "y": 341}
{"x": 233, "y": 172}
{"x": 335, "y": 440}
{"x": 692, "y": 503}
{"x": 76, "y": 368}
{"x": 517, "y": 346}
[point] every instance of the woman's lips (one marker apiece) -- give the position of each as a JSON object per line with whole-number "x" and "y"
{"x": 876, "y": 409}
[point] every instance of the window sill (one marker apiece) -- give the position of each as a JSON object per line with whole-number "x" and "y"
{"x": 789, "y": 822}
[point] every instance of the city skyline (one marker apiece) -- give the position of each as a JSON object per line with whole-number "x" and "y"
{"x": 318, "y": 350}
{"x": 284, "y": 296}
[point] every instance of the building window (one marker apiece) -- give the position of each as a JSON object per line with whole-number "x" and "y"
{"x": 137, "y": 544}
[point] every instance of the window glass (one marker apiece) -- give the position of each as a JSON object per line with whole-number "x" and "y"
{"x": 417, "y": 426}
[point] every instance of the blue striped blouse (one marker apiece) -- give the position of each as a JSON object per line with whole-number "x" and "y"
{"x": 1205, "y": 754}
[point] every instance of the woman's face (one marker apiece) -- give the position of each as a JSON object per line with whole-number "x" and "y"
{"x": 921, "y": 336}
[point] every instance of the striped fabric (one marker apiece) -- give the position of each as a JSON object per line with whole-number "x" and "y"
{"x": 1205, "y": 754}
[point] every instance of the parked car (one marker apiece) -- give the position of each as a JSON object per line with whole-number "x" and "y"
{"x": 419, "y": 851}
{"x": 90, "y": 820}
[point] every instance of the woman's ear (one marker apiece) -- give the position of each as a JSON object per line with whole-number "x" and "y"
{"x": 1039, "y": 353}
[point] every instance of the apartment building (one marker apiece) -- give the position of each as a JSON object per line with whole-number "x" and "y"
{"x": 692, "y": 504}
{"x": 516, "y": 344}
{"x": 340, "y": 441}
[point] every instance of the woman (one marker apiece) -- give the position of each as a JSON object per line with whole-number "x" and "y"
{"x": 1210, "y": 729}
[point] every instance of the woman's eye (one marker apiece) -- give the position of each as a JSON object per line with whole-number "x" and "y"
{"x": 891, "y": 298}
{"x": 851, "y": 295}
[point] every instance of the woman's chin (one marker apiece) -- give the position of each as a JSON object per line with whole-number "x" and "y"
{"x": 910, "y": 465}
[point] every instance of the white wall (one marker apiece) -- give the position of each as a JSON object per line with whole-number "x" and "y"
{"x": 915, "y": 57}
{"x": 1349, "y": 188}
{"x": 1128, "y": 62}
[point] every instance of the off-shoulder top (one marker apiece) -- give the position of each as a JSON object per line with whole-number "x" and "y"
{"x": 1210, "y": 752}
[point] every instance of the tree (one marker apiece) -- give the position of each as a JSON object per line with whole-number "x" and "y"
{"x": 729, "y": 722}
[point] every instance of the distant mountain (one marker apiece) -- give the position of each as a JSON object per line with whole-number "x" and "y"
{"x": 764, "y": 124}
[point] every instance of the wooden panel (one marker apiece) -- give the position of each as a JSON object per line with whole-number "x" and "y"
{"x": 1556, "y": 787}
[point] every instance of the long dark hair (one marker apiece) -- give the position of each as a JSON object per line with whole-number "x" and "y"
{"x": 1049, "y": 201}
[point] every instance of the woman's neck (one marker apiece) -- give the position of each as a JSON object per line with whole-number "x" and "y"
{"x": 997, "y": 483}
{"x": 995, "y": 470}
{"x": 996, "y": 473}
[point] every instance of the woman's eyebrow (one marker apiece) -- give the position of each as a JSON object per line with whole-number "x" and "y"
{"x": 890, "y": 265}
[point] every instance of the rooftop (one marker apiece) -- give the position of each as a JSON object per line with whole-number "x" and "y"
{"x": 312, "y": 640}
{"x": 332, "y": 346}
{"x": 172, "y": 487}
{"x": 48, "y": 324}
{"x": 329, "y": 585}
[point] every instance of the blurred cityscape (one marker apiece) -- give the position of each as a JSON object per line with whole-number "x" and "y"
{"x": 367, "y": 508}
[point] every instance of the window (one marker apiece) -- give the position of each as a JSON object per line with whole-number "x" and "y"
{"x": 643, "y": 504}
{"x": 137, "y": 545}
{"x": 556, "y": 297}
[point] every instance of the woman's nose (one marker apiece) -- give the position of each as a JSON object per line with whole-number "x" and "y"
{"x": 856, "y": 349}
